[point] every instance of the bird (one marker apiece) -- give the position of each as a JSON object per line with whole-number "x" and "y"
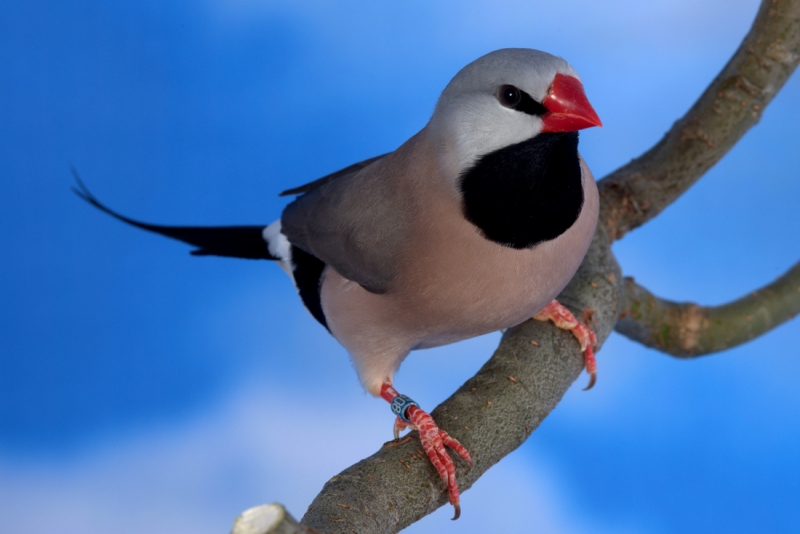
{"x": 473, "y": 225}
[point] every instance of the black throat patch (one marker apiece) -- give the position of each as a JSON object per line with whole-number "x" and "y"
{"x": 527, "y": 193}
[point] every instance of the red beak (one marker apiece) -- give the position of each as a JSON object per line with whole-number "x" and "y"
{"x": 568, "y": 109}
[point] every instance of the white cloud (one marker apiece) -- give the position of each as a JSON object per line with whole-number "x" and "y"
{"x": 193, "y": 477}
{"x": 197, "y": 476}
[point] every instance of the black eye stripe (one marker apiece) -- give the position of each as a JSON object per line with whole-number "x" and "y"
{"x": 523, "y": 102}
{"x": 530, "y": 106}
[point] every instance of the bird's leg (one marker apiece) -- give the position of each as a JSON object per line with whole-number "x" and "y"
{"x": 564, "y": 319}
{"x": 434, "y": 439}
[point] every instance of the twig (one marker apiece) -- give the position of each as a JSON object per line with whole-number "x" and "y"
{"x": 687, "y": 330}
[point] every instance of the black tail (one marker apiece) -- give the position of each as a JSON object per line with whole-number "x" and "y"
{"x": 234, "y": 241}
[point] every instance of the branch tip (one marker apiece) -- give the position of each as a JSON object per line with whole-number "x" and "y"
{"x": 687, "y": 330}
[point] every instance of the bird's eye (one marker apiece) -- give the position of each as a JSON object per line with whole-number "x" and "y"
{"x": 509, "y": 96}
{"x": 518, "y": 100}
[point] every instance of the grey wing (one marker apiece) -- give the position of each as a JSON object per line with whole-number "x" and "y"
{"x": 355, "y": 223}
{"x": 310, "y": 186}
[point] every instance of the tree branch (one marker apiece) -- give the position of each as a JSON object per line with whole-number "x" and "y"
{"x": 731, "y": 105}
{"x": 687, "y": 330}
{"x": 492, "y": 414}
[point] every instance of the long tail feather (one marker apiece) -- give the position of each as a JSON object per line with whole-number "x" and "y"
{"x": 233, "y": 241}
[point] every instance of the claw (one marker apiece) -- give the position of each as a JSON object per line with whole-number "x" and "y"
{"x": 591, "y": 365}
{"x": 592, "y": 381}
{"x": 564, "y": 319}
{"x": 399, "y": 426}
{"x": 434, "y": 442}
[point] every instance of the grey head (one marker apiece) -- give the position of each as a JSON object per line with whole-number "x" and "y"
{"x": 470, "y": 121}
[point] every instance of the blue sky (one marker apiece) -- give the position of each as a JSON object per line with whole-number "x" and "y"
{"x": 144, "y": 390}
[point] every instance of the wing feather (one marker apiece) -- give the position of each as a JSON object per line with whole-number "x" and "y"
{"x": 356, "y": 223}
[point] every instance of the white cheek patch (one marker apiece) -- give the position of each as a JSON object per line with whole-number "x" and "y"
{"x": 279, "y": 246}
{"x": 484, "y": 126}
{"x": 469, "y": 122}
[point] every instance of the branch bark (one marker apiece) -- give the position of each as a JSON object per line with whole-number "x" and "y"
{"x": 687, "y": 330}
{"x": 495, "y": 411}
{"x": 731, "y": 105}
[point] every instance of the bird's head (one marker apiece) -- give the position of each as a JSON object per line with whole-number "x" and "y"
{"x": 506, "y": 97}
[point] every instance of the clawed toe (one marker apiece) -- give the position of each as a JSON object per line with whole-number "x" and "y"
{"x": 586, "y": 337}
{"x": 433, "y": 439}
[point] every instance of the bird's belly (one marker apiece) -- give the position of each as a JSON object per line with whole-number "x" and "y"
{"x": 498, "y": 292}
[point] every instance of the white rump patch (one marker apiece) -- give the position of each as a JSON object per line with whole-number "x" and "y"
{"x": 279, "y": 246}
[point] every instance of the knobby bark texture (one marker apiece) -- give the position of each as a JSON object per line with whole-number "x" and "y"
{"x": 495, "y": 411}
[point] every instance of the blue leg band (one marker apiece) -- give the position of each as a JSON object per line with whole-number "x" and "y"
{"x": 400, "y": 404}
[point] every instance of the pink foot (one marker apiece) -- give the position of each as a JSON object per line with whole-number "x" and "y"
{"x": 434, "y": 440}
{"x": 564, "y": 319}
